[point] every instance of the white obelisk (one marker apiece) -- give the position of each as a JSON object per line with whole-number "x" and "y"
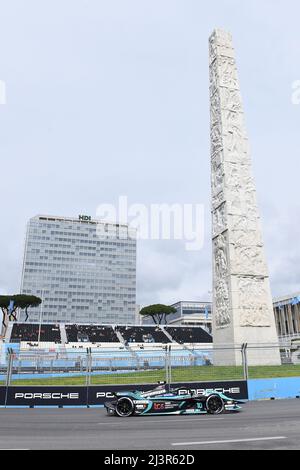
{"x": 242, "y": 302}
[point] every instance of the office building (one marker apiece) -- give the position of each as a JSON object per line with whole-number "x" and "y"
{"x": 189, "y": 314}
{"x": 287, "y": 315}
{"x": 84, "y": 270}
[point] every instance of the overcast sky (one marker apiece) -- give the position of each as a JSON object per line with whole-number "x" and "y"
{"x": 110, "y": 97}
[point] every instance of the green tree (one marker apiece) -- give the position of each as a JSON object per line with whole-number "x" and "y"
{"x": 27, "y": 301}
{"x": 17, "y": 301}
{"x": 158, "y": 313}
{"x": 4, "y": 305}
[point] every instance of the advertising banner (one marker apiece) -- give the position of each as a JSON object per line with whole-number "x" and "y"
{"x": 44, "y": 396}
{"x": 97, "y": 395}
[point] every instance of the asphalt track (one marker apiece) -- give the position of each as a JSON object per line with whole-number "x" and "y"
{"x": 261, "y": 425}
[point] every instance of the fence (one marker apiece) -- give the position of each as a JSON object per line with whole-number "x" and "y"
{"x": 87, "y": 367}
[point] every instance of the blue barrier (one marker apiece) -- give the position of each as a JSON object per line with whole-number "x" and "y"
{"x": 262, "y": 389}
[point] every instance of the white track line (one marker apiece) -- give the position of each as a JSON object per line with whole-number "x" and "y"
{"x": 231, "y": 441}
{"x": 146, "y": 421}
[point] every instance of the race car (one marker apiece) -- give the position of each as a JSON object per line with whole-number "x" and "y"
{"x": 173, "y": 402}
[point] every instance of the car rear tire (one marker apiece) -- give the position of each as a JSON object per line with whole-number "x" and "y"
{"x": 125, "y": 407}
{"x": 214, "y": 405}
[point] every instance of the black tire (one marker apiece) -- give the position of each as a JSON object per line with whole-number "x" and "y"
{"x": 124, "y": 407}
{"x": 214, "y": 405}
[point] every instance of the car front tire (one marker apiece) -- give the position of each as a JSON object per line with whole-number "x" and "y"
{"x": 214, "y": 405}
{"x": 124, "y": 407}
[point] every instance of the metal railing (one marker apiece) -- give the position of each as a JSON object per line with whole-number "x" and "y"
{"x": 288, "y": 339}
{"x": 89, "y": 367}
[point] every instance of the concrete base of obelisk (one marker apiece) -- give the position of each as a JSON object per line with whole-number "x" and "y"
{"x": 259, "y": 351}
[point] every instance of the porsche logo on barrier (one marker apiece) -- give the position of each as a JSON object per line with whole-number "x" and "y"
{"x": 47, "y": 396}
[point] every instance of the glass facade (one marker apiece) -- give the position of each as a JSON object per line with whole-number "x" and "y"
{"x": 84, "y": 270}
{"x": 203, "y": 311}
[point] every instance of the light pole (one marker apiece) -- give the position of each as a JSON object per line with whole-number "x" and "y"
{"x": 41, "y": 317}
{"x": 209, "y": 324}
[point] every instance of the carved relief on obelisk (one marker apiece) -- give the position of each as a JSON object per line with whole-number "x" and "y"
{"x": 242, "y": 304}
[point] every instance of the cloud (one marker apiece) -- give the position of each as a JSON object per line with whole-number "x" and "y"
{"x": 282, "y": 235}
{"x": 168, "y": 273}
{"x": 111, "y": 98}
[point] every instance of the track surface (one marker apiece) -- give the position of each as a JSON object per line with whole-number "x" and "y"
{"x": 261, "y": 425}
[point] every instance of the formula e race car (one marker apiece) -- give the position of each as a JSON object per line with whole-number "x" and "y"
{"x": 160, "y": 401}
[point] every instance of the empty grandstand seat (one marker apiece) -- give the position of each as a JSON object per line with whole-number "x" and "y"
{"x": 91, "y": 334}
{"x": 143, "y": 334}
{"x": 189, "y": 335}
{"x": 29, "y": 332}
{"x": 98, "y": 334}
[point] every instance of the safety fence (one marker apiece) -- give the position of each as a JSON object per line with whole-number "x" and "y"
{"x": 88, "y": 367}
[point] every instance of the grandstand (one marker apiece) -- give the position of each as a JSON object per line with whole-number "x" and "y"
{"x": 189, "y": 335}
{"x": 90, "y": 333}
{"x": 143, "y": 334}
{"x": 31, "y": 333}
{"x": 110, "y": 337}
{"x": 85, "y": 350}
